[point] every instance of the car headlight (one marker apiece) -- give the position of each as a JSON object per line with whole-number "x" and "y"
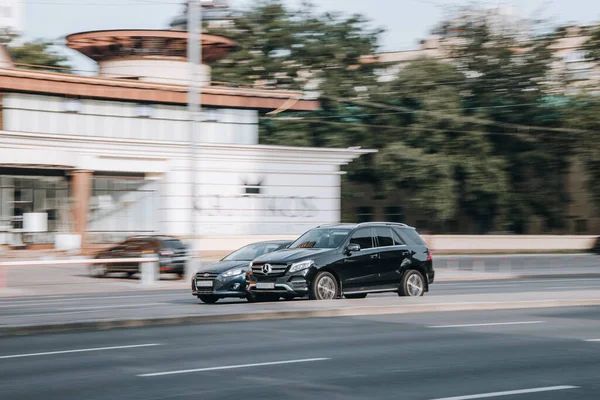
{"x": 299, "y": 266}
{"x": 233, "y": 272}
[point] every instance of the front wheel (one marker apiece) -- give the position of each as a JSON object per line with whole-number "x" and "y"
{"x": 413, "y": 284}
{"x": 98, "y": 270}
{"x": 324, "y": 287}
{"x": 208, "y": 299}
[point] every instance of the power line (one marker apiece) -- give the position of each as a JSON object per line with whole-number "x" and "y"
{"x": 395, "y": 127}
{"x": 473, "y": 120}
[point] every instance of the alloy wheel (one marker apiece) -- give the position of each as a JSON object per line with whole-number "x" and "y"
{"x": 326, "y": 288}
{"x": 415, "y": 285}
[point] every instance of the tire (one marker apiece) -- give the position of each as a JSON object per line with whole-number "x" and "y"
{"x": 98, "y": 270}
{"x": 130, "y": 274}
{"x": 356, "y": 296}
{"x": 413, "y": 284}
{"x": 180, "y": 275}
{"x": 208, "y": 298}
{"x": 324, "y": 287}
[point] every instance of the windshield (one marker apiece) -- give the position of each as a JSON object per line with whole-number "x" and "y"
{"x": 321, "y": 238}
{"x": 252, "y": 251}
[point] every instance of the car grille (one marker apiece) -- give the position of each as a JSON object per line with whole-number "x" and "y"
{"x": 206, "y": 276}
{"x": 276, "y": 269}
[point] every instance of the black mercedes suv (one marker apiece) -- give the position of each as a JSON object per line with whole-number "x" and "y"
{"x": 332, "y": 261}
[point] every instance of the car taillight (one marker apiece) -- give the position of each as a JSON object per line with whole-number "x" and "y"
{"x": 429, "y": 258}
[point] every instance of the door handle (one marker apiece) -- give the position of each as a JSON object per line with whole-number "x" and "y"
{"x": 374, "y": 255}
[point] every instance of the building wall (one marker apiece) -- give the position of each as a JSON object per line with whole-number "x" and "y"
{"x": 111, "y": 119}
{"x": 11, "y": 15}
{"x": 174, "y": 72}
{"x": 142, "y": 180}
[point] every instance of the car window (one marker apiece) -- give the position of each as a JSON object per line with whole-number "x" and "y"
{"x": 173, "y": 244}
{"x": 384, "y": 236}
{"x": 321, "y": 238}
{"x": 252, "y": 251}
{"x": 363, "y": 238}
{"x": 398, "y": 241}
{"x": 411, "y": 236}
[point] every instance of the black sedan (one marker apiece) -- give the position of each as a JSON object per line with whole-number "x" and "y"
{"x": 227, "y": 278}
{"x": 171, "y": 252}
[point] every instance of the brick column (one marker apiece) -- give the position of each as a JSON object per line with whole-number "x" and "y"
{"x": 81, "y": 191}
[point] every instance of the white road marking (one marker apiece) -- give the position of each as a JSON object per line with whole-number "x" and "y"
{"x": 187, "y": 371}
{"x": 592, "y": 340}
{"x": 488, "y": 324}
{"x": 509, "y": 393}
{"x": 48, "y": 353}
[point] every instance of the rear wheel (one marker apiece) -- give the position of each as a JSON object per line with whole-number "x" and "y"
{"x": 208, "y": 299}
{"x": 355, "y": 296}
{"x": 324, "y": 287}
{"x": 413, "y": 284}
{"x": 98, "y": 270}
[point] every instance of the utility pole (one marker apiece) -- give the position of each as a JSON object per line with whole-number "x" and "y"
{"x": 194, "y": 50}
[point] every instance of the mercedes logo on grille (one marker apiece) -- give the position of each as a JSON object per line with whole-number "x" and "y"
{"x": 266, "y": 269}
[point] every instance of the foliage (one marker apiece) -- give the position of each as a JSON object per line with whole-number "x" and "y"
{"x": 38, "y": 54}
{"x": 435, "y": 154}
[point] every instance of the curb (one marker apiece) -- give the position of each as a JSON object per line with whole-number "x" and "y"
{"x": 279, "y": 315}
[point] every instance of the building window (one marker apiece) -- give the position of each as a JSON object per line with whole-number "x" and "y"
{"x": 364, "y": 214}
{"x": 211, "y": 115}
{"x": 394, "y": 214}
{"x": 122, "y": 206}
{"x": 72, "y": 105}
{"x": 576, "y": 56}
{"x": 581, "y": 226}
{"x": 252, "y": 188}
{"x": 579, "y": 75}
{"x": 144, "y": 110}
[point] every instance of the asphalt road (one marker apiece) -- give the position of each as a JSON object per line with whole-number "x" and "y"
{"x": 521, "y": 355}
{"x": 144, "y": 304}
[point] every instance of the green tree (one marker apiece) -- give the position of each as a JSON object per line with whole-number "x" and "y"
{"x": 508, "y": 83}
{"x": 37, "y": 54}
{"x": 583, "y": 114}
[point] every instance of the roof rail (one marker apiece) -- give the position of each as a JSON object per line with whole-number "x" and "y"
{"x": 385, "y": 223}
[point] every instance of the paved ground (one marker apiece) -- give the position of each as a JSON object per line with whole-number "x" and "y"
{"x": 163, "y": 304}
{"x": 517, "y": 354}
{"x": 72, "y": 279}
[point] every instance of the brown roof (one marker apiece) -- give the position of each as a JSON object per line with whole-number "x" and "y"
{"x": 108, "y": 44}
{"x": 20, "y": 80}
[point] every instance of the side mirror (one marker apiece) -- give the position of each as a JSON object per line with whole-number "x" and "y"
{"x": 352, "y": 248}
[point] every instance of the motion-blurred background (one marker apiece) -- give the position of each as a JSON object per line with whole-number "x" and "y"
{"x": 458, "y": 119}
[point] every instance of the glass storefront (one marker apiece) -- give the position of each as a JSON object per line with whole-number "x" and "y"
{"x": 121, "y": 207}
{"x": 22, "y": 193}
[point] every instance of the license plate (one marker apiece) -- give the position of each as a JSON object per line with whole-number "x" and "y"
{"x": 204, "y": 284}
{"x": 265, "y": 285}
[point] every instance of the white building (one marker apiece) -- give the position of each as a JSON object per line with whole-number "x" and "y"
{"x": 11, "y": 15}
{"x": 107, "y": 157}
